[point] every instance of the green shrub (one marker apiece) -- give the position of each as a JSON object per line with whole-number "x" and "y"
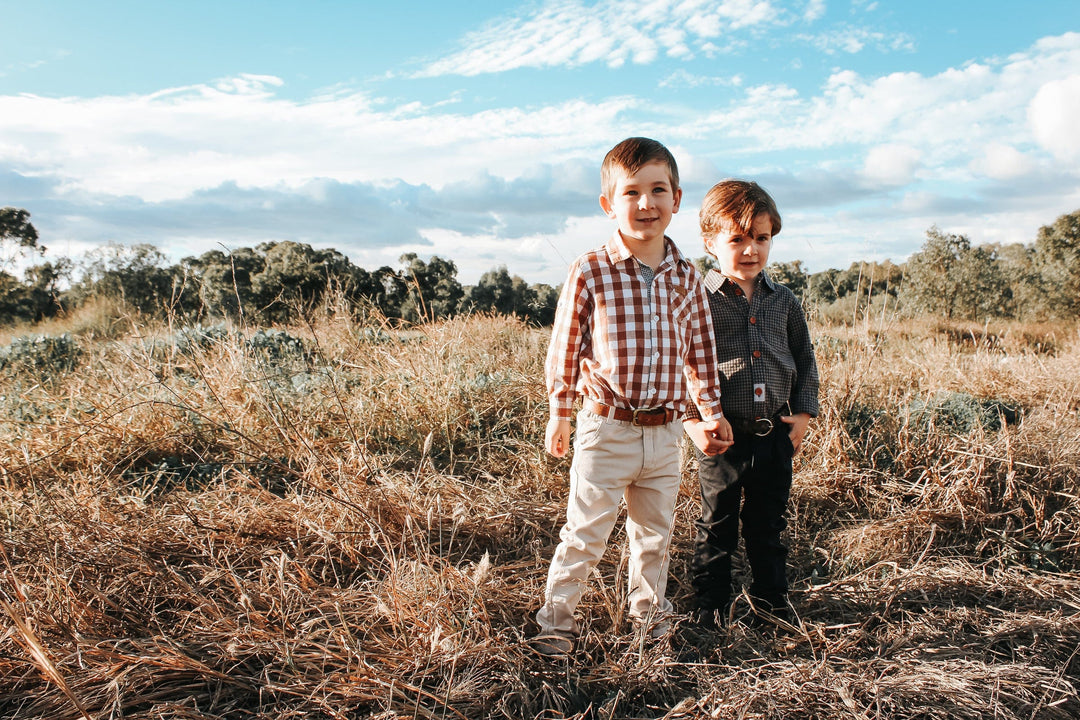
{"x": 41, "y": 354}
{"x": 962, "y": 413}
{"x": 172, "y": 473}
{"x": 374, "y": 336}
{"x": 872, "y": 432}
{"x": 276, "y": 345}
{"x": 189, "y": 340}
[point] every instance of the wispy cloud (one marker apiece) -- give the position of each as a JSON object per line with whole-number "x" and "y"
{"x": 615, "y": 32}
{"x": 815, "y": 10}
{"x": 683, "y": 79}
{"x": 571, "y": 33}
{"x": 851, "y": 39}
{"x": 28, "y": 65}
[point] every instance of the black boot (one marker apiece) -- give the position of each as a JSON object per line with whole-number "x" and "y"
{"x": 711, "y": 614}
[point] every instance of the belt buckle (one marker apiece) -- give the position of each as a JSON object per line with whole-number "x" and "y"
{"x": 763, "y": 426}
{"x": 642, "y": 411}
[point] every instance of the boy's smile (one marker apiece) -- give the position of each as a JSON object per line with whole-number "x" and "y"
{"x": 743, "y": 255}
{"x": 642, "y": 203}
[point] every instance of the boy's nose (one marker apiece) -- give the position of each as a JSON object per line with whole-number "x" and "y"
{"x": 643, "y": 201}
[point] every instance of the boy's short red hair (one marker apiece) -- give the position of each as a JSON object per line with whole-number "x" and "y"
{"x": 736, "y": 202}
{"x": 631, "y": 155}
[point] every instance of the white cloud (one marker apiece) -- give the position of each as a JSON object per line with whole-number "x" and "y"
{"x": 540, "y": 257}
{"x": 815, "y": 10}
{"x": 1002, "y": 162}
{"x": 169, "y": 144}
{"x": 891, "y": 164}
{"x": 570, "y": 33}
{"x": 747, "y": 13}
{"x": 1054, "y": 114}
{"x": 1027, "y": 100}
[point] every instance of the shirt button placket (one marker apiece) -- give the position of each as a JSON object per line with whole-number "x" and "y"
{"x": 756, "y": 369}
{"x": 651, "y": 343}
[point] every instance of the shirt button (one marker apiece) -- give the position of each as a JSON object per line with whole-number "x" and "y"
{"x": 757, "y": 353}
{"x": 753, "y": 320}
{"x": 738, "y": 291}
{"x": 652, "y": 391}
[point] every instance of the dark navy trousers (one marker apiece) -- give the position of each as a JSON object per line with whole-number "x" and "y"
{"x": 751, "y": 482}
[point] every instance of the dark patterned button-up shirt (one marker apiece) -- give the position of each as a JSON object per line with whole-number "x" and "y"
{"x": 766, "y": 359}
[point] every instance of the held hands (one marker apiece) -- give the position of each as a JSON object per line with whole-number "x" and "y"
{"x": 797, "y": 431}
{"x": 557, "y": 437}
{"x": 713, "y": 437}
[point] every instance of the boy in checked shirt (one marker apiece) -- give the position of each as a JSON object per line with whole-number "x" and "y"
{"x": 632, "y": 338}
{"x": 769, "y": 380}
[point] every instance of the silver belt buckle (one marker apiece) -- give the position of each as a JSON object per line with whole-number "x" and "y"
{"x": 763, "y": 422}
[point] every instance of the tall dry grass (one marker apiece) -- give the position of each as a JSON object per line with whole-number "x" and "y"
{"x": 340, "y": 520}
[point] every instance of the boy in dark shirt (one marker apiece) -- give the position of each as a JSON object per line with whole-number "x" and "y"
{"x": 768, "y": 388}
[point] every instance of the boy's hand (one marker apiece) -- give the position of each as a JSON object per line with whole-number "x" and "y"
{"x": 797, "y": 431}
{"x": 713, "y": 437}
{"x": 557, "y": 437}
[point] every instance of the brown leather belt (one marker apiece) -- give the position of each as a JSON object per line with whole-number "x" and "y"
{"x": 648, "y": 417}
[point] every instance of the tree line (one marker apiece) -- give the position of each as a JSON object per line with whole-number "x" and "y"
{"x": 277, "y": 282}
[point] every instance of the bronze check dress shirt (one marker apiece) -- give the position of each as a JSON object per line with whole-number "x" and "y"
{"x": 623, "y": 346}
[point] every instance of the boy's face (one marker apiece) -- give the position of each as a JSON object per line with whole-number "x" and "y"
{"x": 642, "y": 203}
{"x": 742, "y": 255}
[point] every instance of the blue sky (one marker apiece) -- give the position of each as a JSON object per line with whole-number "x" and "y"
{"x": 475, "y": 131}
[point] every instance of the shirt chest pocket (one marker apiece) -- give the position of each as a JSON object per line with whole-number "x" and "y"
{"x": 678, "y": 305}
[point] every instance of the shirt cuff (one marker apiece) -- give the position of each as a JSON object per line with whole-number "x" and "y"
{"x": 562, "y": 410}
{"x": 693, "y": 412}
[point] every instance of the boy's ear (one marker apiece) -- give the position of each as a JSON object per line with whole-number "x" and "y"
{"x": 605, "y": 204}
{"x": 677, "y": 194}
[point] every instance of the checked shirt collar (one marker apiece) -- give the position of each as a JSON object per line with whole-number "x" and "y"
{"x": 618, "y": 253}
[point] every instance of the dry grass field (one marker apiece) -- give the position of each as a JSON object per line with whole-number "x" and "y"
{"x": 337, "y": 520}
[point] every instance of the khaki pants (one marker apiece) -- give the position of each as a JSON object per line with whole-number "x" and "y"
{"x": 615, "y": 460}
